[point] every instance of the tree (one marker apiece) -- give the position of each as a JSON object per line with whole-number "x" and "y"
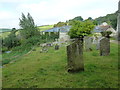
{"x": 11, "y": 41}
{"x": 80, "y": 29}
{"x": 60, "y": 24}
{"x": 111, "y": 18}
{"x": 28, "y": 26}
{"x": 79, "y": 18}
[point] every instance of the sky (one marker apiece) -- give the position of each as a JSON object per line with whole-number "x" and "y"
{"x": 47, "y": 12}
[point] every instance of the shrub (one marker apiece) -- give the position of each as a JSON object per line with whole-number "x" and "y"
{"x": 106, "y": 33}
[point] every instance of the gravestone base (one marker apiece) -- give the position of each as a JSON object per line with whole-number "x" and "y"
{"x": 75, "y": 56}
{"x": 105, "y": 47}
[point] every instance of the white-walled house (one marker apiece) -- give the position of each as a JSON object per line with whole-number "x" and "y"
{"x": 104, "y": 27}
{"x": 63, "y": 34}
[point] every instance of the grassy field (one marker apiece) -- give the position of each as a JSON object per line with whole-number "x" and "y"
{"x": 41, "y": 28}
{"x": 46, "y": 27}
{"x": 4, "y": 34}
{"x": 48, "y": 70}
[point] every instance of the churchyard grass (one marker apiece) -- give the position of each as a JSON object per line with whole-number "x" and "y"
{"x": 48, "y": 70}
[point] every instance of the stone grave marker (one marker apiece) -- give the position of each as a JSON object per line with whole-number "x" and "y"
{"x": 104, "y": 46}
{"x": 75, "y": 56}
{"x": 88, "y": 43}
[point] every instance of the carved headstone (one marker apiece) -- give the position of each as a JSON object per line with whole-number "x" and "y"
{"x": 104, "y": 46}
{"x": 75, "y": 56}
{"x": 88, "y": 43}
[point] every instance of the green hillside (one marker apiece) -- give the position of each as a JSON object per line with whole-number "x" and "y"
{"x": 45, "y": 27}
{"x": 5, "y": 30}
{"x": 48, "y": 70}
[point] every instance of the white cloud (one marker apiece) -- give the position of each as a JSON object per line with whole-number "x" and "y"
{"x": 52, "y": 11}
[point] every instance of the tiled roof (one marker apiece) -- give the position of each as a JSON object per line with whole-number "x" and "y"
{"x": 57, "y": 29}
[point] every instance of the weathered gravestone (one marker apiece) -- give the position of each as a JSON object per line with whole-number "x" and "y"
{"x": 75, "y": 56}
{"x": 118, "y": 22}
{"x": 104, "y": 46}
{"x": 56, "y": 47}
{"x": 97, "y": 43}
{"x": 88, "y": 43}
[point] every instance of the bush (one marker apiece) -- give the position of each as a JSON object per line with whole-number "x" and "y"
{"x": 4, "y": 49}
{"x": 5, "y": 61}
{"x": 106, "y": 33}
{"x": 11, "y": 41}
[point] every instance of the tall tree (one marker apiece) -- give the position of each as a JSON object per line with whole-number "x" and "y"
{"x": 28, "y": 26}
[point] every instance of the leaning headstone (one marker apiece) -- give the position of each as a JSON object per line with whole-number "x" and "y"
{"x": 75, "y": 56}
{"x": 104, "y": 46}
{"x": 56, "y": 47}
{"x": 88, "y": 43}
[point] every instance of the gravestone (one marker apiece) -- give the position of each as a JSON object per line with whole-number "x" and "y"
{"x": 88, "y": 43}
{"x": 56, "y": 47}
{"x": 75, "y": 56}
{"x": 98, "y": 42}
{"x": 104, "y": 46}
{"x": 44, "y": 49}
{"x": 118, "y": 22}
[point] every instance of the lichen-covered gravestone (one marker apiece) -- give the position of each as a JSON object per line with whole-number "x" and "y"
{"x": 88, "y": 43}
{"x": 75, "y": 56}
{"x": 104, "y": 46}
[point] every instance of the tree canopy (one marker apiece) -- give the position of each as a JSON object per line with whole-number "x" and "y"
{"x": 60, "y": 24}
{"x": 109, "y": 18}
{"x": 78, "y": 18}
{"x": 28, "y": 26}
{"x": 80, "y": 29}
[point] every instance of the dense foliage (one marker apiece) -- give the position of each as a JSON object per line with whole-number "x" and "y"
{"x": 80, "y": 29}
{"x": 79, "y": 18}
{"x": 11, "y": 41}
{"x": 60, "y": 24}
{"x": 26, "y": 37}
{"x": 109, "y": 18}
{"x": 28, "y": 26}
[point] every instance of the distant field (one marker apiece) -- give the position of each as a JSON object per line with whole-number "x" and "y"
{"x": 4, "y": 34}
{"x": 5, "y": 30}
{"x": 42, "y": 28}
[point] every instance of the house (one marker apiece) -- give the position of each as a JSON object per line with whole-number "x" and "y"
{"x": 63, "y": 32}
{"x": 104, "y": 27}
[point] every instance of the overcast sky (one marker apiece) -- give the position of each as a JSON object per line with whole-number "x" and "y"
{"x": 46, "y": 12}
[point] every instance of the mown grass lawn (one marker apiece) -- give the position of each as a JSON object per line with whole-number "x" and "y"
{"x": 48, "y": 70}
